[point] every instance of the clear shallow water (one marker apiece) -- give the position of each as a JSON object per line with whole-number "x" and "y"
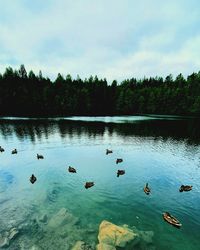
{"x": 164, "y": 153}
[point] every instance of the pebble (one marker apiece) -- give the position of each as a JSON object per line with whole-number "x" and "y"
{"x": 4, "y": 241}
{"x": 13, "y": 233}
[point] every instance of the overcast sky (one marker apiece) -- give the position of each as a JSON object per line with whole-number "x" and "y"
{"x": 116, "y": 39}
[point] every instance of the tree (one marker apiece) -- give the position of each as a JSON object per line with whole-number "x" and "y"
{"x": 35, "y": 95}
{"x": 22, "y": 72}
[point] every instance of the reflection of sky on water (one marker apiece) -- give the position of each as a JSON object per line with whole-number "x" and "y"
{"x": 106, "y": 119}
{"x": 110, "y": 119}
{"x": 39, "y": 130}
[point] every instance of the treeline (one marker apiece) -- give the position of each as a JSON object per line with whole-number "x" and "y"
{"x": 28, "y": 94}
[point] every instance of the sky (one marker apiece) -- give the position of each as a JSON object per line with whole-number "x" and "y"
{"x": 115, "y": 39}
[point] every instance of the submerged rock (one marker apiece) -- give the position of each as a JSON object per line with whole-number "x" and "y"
{"x": 13, "y": 233}
{"x": 103, "y": 246}
{"x": 81, "y": 245}
{"x": 147, "y": 236}
{"x": 4, "y": 241}
{"x": 112, "y": 237}
{"x": 115, "y": 236}
{"x": 61, "y": 218}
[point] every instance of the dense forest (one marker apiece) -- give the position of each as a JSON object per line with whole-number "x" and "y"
{"x": 28, "y": 94}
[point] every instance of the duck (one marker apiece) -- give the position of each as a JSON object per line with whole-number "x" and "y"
{"x": 119, "y": 160}
{"x": 185, "y": 188}
{"x": 1, "y": 149}
{"x": 71, "y": 170}
{"x": 120, "y": 172}
{"x": 89, "y": 184}
{"x": 33, "y": 179}
{"x": 147, "y": 190}
{"x": 108, "y": 151}
{"x": 40, "y": 156}
{"x": 14, "y": 151}
{"x": 171, "y": 220}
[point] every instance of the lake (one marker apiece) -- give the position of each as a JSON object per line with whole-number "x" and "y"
{"x": 57, "y": 211}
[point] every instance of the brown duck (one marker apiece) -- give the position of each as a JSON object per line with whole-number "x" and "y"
{"x": 40, "y": 156}
{"x": 71, "y": 170}
{"x": 14, "y": 151}
{"x": 120, "y": 172}
{"x": 185, "y": 188}
{"x": 147, "y": 190}
{"x": 89, "y": 184}
{"x": 108, "y": 151}
{"x": 119, "y": 160}
{"x": 33, "y": 179}
{"x": 1, "y": 149}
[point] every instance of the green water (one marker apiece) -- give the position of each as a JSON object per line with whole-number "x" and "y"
{"x": 163, "y": 152}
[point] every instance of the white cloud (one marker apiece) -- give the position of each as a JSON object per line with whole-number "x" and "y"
{"x": 113, "y": 39}
{"x": 152, "y": 62}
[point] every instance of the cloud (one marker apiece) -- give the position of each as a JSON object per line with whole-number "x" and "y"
{"x": 112, "y": 39}
{"x": 149, "y": 62}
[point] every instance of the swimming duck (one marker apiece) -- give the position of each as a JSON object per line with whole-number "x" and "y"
{"x": 185, "y": 188}
{"x": 40, "y": 156}
{"x": 120, "y": 172}
{"x": 1, "y": 149}
{"x": 14, "y": 151}
{"x": 71, "y": 170}
{"x": 147, "y": 190}
{"x": 89, "y": 184}
{"x": 108, "y": 151}
{"x": 119, "y": 160}
{"x": 171, "y": 220}
{"x": 33, "y": 179}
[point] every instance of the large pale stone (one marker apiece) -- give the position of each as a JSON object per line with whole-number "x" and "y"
{"x": 114, "y": 235}
{"x": 103, "y": 246}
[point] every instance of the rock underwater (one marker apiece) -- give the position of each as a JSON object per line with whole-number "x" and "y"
{"x": 61, "y": 218}
{"x": 8, "y": 237}
{"x": 112, "y": 237}
{"x": 115, "y": 236}
{"x": 81, "y": 245}
{"x": 4, "y": 241}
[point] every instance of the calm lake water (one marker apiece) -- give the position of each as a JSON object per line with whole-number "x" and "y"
{"x": 165, "y": 152}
